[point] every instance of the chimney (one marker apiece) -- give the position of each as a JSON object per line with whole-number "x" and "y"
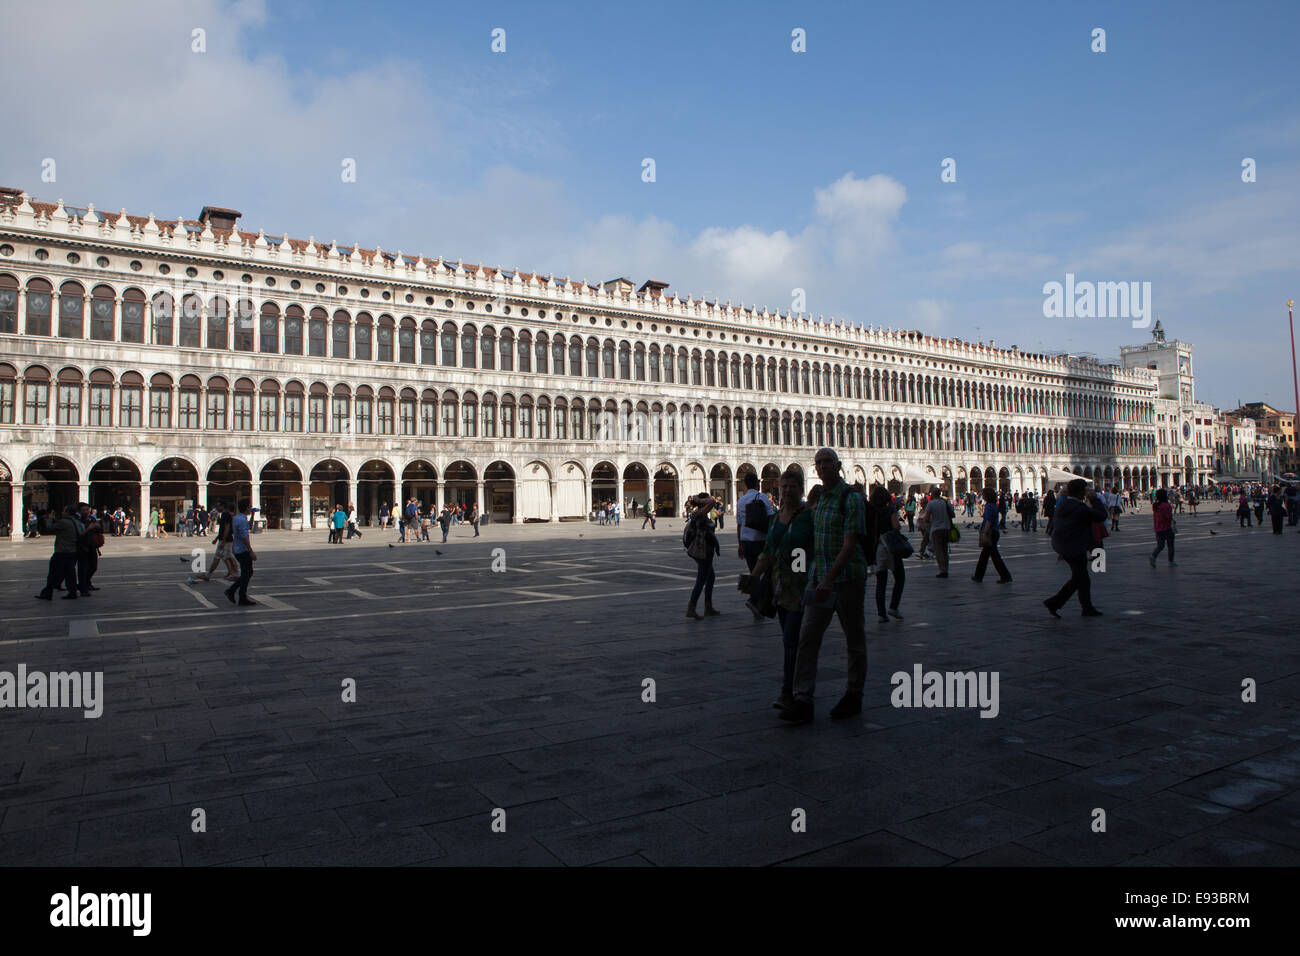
{"x": 219, "y": 218}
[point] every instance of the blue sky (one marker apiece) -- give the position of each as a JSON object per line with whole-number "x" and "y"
{"x": 775, "y": 170}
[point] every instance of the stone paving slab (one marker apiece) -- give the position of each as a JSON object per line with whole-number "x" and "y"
{"x": 521, "y": 693}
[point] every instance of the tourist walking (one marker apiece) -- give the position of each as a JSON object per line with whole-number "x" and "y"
{"x": 90, "y": 538}
{"x": 353, "y": 530}
{"x": 649, "y": 516}
{"x": 989, "y": 541}
{"x": 244, "y": 555}
{"x": 1049, "y": 508}
{"x": 790, "y": 531}
{"x": 753, "y": 515}
{"x": 63, "y": 562}
{"x": 444, "y": 522}
{"x": 702, "y": 545}
{"x": 1243, "y": 510}
{"x": 940, "y": 522}
{"x": 837, "y": 588}
{"x": 887, "y": 559}
{"x": 1276, "y": 509}
{"x": 1073, "y": 541}
{"x": 474, "y": 518}
{"x": 1162, "y": 517}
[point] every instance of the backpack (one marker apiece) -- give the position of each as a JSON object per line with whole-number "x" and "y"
{"x": 695, "y": 541}
{"x": 756, "y": 516}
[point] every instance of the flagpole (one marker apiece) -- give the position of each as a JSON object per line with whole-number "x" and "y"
{"x": 1295, "y": 383}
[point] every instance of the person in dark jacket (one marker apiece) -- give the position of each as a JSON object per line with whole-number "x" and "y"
{"x": 1049, "y": 508}
{"x": 699, "y": 538}
{"x": 63, "y": 562}
{"x": 1072, "y": 540}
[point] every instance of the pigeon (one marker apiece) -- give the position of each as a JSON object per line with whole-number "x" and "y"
{"x": 184, "y": 559}
{"x": 390, "y": 544}
{"x": 1212, "y": 531}
{"x": 436, "y": 551}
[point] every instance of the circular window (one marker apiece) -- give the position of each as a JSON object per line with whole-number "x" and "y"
{"x": 164, "y": 268}
{"x": 654, "y": 328}
{"x": 541, "y": 313}
{"x": 524, "y": 313}
{"x": 608, "y": 321}
{"x": 505, "y": 310}
{"x": 73, "y": 258}
{"x": 191, "y": 272}
{"x": 428, "y": 300}
{"x": 668, "y": 329}
{"x": 470, "y": 306}
{"x": 623, "y": 323}
{"x": 246, "y": 278}
{"x": 450, "y": 304}
{"x": 386, "y": 295}
{"x": 593, "y": 319}
{"x": 487, "y": 307}
{"x": 270, "y": 280}
{"x": 1187, "y": 430}
{"x": 102, "y": 262}
{"x": 409, "y": 298}
{"x": 42, "y": 254}
{"x": 697, "y": 332}
{"x": 638, "y": 325}
{"x": 8, "y": 250}
{"x": 295, "y": 284}
{"x": 135, "y": 265}
{"x": 343, "y": 290}
{"x": 320, "y": 286}
{"x": 365, "y": 293}
{"x": 218, "y": 275}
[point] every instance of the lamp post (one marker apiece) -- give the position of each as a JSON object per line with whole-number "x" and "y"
{"x": 1295, "y": 384}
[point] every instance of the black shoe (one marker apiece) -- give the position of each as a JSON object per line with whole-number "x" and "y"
{"x": 1004, "y": 580}
{"x": 69, "y": 597}
{"x": 943, "y": 575}
{"x": 230, "y": 596}
{"x": 800, "y": 712}
{"x": 1091, "y": 612}
{"x": 85, "y": 594}
{"x": 45, "y": 597}
{"x": 850, "y": 705}
{"x": 246, "y": 602}
{"x": 978, "y": 580}
{"x": 1051, "y": 609}
{"x": 93, "y": 588}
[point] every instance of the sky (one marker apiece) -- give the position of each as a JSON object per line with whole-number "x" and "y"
{"x": 774, "y": 169}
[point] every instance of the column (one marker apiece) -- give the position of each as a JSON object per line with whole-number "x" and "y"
{"x": 353, "y": 500}
{"x": 305, "y": 501}
{"x": 518, "y": 498}
{"x": 142, "y": 519}
{"x": 255, "y": 496}
{"x": 484, "y": 506}
{"x": 83, "y": 492}
{"x": 17, "y": 516}
{"x": 618, "y": 489}
{"x": 555, "y": 505}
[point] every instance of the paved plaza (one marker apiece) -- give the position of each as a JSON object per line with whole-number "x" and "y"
{"x": 523, "y": 690}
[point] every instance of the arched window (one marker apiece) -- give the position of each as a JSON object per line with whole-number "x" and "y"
{"x": 268, "y": 406}
{"x": 244, "y": 319}
{"x": 218, "y": 399}
{"x": 293, "y": 402}
{"x": 102, "y": 305}
{"x": 696, "y": 369}
{"x": 406, "y": 342}
{"x": 341, "y": 333}
{"x": 160, "y": 401}
{"x": 162, "y": 319}
{"x": 428, "y": 412}
{"x": 575, "y": 357}
{"x": 624, "y": 361}
{"x": 681, "y": 366}
{"x": 340, "y": 420}
{"x": 218, "y": 322}
{"x": 269, "y": 329}
{"x": 385, "y": 335}
{"x": 293, "y": 321}
{"x": 428, "y": 344}
{"x": 243, "y": 410}
{"x": 317, "y": 326}
{"x": 9, "y": 305}
{"x": 507, "y": 350}
{"x": 654, "y": 363}
{"x": 364, "y": 405}
{"x": 318, "y": 408}
{"x": 543, "y": 351}
{"x": 68, "y": 408}
{"x": 364, "y": 335}
{"x": 39, "y": 296}
{"x": 525, "y": 352}
{"x": 72, "y": 310}
{"x": 557, "y": 355}
{"x": 593, "y": 358}
{"x": 469, "y": 415}
{"x": 487, "y": 345}
{"x": 638, "y": 364}
{"x": 608, "y": 356}
{"x": 191, "y": 335}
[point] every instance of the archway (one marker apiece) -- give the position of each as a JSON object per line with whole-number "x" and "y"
{"x": 374, "y": 486}
{"x": 419, "y": 480}
{"x": 281, "y": 494}
{"x": 460, "y": 486}
{"x": 665, "y": 492}
{"x": 230, "y": 483}
{"x": 741, "y": 473}
{"x": 50, "y": 484}
{"x": 604, "y": 484}
{"x": 535, "y": 501}
{"x": 571, "y": 492}
{"x": 329, "y": 487}
{"x": 720, "y": 483}
{"x": 636, "y": 486}
{"x": 173, "y": 489}
{"x": 115, "y": 483}
{"x": 499, "y": 490}
{"x": 770, "y": 480}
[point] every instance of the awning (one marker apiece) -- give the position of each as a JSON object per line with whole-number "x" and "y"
{"x": 916, "y": 475}
{"x": 1058, "y": 476}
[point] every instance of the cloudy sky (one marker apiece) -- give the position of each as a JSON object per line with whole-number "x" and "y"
{"x": 774, "y": 170}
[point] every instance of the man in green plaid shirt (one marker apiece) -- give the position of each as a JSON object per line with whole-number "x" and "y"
{"x": 838, "y": 590}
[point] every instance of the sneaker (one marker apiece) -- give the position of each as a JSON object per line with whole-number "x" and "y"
{"x": 895, "y": 612}
{"x": 190, "y": 579}
{"x": 850, "y": 705}
{"x": 799, "y": 712}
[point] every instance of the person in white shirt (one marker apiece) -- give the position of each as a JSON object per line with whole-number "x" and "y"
{"x": 352, "y": 522}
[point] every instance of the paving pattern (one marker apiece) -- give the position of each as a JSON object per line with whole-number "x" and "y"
{"x": 522, "y": 691}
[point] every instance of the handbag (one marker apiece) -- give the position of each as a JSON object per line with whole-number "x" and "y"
{"x": 898, "y": 544}
{"x": 953, "y": 535}
{"x": 1099, "y": 531}
{"x": 986, "y": 536}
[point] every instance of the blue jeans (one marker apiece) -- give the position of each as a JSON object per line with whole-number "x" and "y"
{"x": 791, "y": 622}
{"x": 704, "y": 578}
